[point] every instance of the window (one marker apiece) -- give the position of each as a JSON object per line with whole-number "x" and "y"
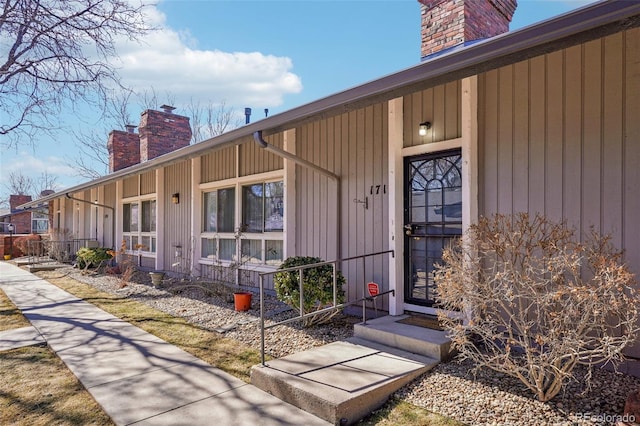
{"x": 130, "y": 217}
{"x": 139, "y": 225}
{"x": 259, "y": 215}
{"x": 262, "y": 207}
{"x": 39, "y": 222}
{"x": 219, "y": 210}
{"x": 149, "y": 216}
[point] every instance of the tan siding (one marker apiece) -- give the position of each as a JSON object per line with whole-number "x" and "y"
{"x": 218, "y": 165}
{"x": 439, "y": 105}
{"x": 109, "y": 200}
{"x": 148, "y": 182}
{"x": 254, "y": 159}
{"x": 630, "y": 173}
{"x": 537, "y": 136}
{"x": 353, "y": 145}
{"x": 520, "y": 136}
{"x": 130, "y": 187}
{"x": 89, "y": 216}
{"x": 554, "y": 150}
{"x": 572, "y": 164}
{"x": 177, "y": 217}
{"x": 559, "y": 135}
{"x": 592, "y": 136}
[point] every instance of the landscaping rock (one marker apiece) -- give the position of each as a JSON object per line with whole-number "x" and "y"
{"x": 632, "y": 407}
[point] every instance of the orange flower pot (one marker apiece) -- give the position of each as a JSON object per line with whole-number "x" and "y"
{"x": 242, "y": 300}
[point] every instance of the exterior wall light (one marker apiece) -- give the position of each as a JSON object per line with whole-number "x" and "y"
{"x": 422, "y": 130}
{"x": 175, "y": 198}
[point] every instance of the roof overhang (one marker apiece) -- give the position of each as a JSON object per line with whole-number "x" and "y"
{"x": 579, "y": 26}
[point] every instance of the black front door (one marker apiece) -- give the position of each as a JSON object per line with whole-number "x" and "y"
{"x": 432, "y": 217}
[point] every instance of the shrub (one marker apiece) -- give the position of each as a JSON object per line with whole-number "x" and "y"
{"x": 317, "y": 285}
{"x": 92, "y": 257}
{"x": 22, "y": 244}
{"x": 537, "y": 302}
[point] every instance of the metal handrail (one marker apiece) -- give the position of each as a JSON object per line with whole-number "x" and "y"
{"x": 335, "y": 305}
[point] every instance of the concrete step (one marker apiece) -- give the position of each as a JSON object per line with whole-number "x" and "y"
{"x": 341, "y": 382}
{"x": 419, "y": 340}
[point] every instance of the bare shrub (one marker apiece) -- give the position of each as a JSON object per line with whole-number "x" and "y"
{"x": 536, "y": 302}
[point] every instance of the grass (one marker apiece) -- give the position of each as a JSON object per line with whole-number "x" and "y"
{"x": 398, "y": 412}
{"x": 10, "y": 316}
{"x": 23, "y": 399}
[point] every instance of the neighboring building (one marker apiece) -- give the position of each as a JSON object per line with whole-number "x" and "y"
{"x": 539, "y": 120}
{"x": 33, "y": 221}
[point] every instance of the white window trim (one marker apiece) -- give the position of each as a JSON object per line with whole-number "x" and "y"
{"x": 238, "y": 183}
{"x": 140, "y": 234}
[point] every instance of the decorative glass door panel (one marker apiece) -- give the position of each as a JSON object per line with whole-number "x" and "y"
{"x": 433, "y": 217}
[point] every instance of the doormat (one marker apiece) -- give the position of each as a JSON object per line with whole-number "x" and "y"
{"x": 425, "y": 321}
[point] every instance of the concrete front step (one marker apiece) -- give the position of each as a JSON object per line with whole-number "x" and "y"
{"x": 418, "y": 340}
{"x": 341, "y": 382}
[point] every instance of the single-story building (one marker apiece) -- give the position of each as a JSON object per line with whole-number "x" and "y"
{"x": 545, "y": 119}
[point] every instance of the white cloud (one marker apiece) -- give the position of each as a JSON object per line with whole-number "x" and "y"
{"x": 168, "y": 61}
{"x": 30, "y": 165}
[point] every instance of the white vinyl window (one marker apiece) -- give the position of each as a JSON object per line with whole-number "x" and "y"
{"x": 244, "y": 223}
{"x": 139, "y": 225}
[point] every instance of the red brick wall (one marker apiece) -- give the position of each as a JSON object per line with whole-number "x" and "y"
{"x": 22, "y": 220}
{"x": 161, "y": 133}
{"x": 447, "y": 23}
{"x": 124, "y": 150}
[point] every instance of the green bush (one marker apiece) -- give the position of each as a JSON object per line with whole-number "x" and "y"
{"x": 317, "y": 287}
{"x": 92, "y": 257}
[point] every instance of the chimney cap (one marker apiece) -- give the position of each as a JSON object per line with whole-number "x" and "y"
{"x": 130, "y": 127}
{"x": 167, "y": 108}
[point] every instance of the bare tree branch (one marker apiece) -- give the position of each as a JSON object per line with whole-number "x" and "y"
{"x": 56, "y": 52}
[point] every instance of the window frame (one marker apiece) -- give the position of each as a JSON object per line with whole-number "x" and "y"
{"x": 133, "y": 238}
{"x": 265, "y": 237}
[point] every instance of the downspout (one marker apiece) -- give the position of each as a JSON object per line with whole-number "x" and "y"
{"x": 257, "y": 137}
{"x": 113, "y": 215}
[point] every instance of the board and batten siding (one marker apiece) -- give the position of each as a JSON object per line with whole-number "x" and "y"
{"x": 109, "y": 199}
{"x": 560, "y": 135}
{"x": 218, "y": 165}
{"x": 439, "y": 105}
{"x": 148, "y": 182}
{"x": 353, "y": 146}
{"x": 254, "y": 160}
{"x": 130, "y": 187}
{"x": 177, "y": 217}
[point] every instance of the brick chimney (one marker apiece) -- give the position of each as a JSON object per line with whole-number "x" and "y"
{"x": 124, "y": 148}
{"x": 162, "y": 132}
{"x": 448, "y": 23}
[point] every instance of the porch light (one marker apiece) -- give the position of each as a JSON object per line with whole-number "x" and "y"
{"x": 422, "y": 131}
{"x": 175, "y": 198}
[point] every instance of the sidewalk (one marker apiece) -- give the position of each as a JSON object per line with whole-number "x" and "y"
{"x": 136, "y": 377}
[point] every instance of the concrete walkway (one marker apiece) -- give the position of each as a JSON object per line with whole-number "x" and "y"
{"x": 136, "y": 377}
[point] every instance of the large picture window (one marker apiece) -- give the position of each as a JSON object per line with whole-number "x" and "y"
{"x": 139, "y": 225}
{"x": 247, "y": 228}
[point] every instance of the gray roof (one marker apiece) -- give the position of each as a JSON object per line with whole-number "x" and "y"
{"x": 583, "y": 24}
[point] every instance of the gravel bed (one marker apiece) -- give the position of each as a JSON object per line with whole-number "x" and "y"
{"x": 452, "y": 389}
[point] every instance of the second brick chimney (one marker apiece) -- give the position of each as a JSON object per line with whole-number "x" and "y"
{"x": 124, "y": 149}
{"x": 448, "y": 23}
{"x": 160, "y": 132}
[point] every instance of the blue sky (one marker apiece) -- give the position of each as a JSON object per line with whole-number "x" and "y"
{"x": 261, "y": 54}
